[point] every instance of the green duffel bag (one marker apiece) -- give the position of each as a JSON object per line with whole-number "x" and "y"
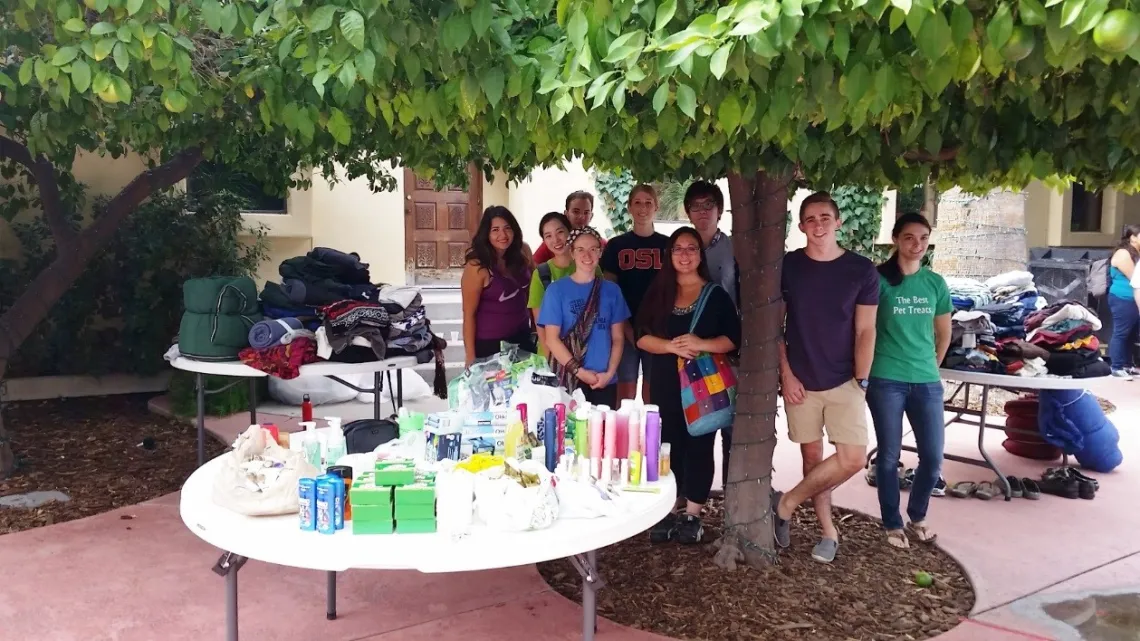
{"x": 220, "y": 332}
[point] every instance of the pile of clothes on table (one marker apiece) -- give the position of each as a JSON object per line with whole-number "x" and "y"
{"x": 327, "y": 308}
{"x": 1004, "y": 326}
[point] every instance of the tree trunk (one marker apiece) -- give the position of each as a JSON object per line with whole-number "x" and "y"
{"x": 759, "y": 218}
{"x": 73, "y": 253}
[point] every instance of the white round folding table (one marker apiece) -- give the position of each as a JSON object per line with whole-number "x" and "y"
{"x": 327, "y": 369}
{"x": 986, "y": 381}
{"x": 280, "y": 541}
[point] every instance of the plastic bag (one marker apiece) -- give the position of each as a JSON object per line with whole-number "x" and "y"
{"x": 580, "y": 500}
{"x": 537, "y": 396}
{"x": 408, "y": 446}
{"x": 491, "y": 383}
{"x": 414, "y": 387}
{"x": 259, "y": 477}
{"x": 504, "y": 503}
{"x": 454, "y": 500}
{"x": 321, "y": 390}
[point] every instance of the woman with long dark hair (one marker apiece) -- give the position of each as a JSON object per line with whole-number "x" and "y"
{"x": 912, "y": 335}
{"x": 495, "y": 287}
{"x": 1122, "y": 303}
{"x": 667, "y": 329}
{"x": 582, "y": 316}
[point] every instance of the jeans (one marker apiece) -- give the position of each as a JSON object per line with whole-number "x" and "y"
{"x": 1125, "y": 319}
{"x": 923, "y": 405}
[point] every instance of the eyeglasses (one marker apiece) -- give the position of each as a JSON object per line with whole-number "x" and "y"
{"x": 685, "y": 251}
{"x": 588, "y": 250}
{"x": 702, "y": 206}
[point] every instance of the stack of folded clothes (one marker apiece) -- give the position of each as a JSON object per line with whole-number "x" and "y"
{"x": 1066, "y": 330}
{"x": 968, "y": 293}
{"x": 973, "y": 346}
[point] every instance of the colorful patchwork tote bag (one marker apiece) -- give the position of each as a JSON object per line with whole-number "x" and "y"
{"x": 708, "y": 384}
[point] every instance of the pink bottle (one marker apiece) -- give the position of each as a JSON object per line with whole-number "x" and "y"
{"x": 611, "y": 434}
{"x": 634, "y": 436}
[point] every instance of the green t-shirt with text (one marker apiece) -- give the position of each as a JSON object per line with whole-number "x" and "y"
{"x": 904, "y": 329}
{"x": 538, "y": 290}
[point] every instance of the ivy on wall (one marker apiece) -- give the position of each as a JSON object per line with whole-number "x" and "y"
{"x": 613, "y": 190}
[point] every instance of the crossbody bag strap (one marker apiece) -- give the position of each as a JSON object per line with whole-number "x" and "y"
{"x": 702, "y": 300}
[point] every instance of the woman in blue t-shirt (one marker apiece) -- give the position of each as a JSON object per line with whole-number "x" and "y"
{"x": 1122, "y": 303}
{"x": 582, "y": 317}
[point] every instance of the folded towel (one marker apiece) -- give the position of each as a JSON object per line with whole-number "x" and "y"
{"x": 268, "y": 333}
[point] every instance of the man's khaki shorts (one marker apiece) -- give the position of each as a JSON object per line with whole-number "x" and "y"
{"x": 843, "y": 410}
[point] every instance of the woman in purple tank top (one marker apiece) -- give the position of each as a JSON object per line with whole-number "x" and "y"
{"x": 496, "y": 287}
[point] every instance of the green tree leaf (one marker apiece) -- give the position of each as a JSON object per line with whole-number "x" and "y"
{"x": 122, "y": 58}
{"x": 366, "y": 65}
{"x": 174, "y": 101}
{"x": 818, "y": 32}
{"x": 576, "y": 28}
{"x": 493, "y": 80}
{"x": 841, "y": 41}
{"x": 347, "y": 74}
{"x": 456, "y": 32}
{"x": 133, "y": 6}
{"x": 352, "y": 26}
{"x": 75, "y": 25}
{"x": 902, "y": 5}
{"x": 1070, "y": 11}
{"x": 687, "y": 100}
{"x": 718, "y": 63}
{"x": 339, "y": 127}
{"x": 1090, "y": 16}
{"x": 212, "y": 14}
{"x": 665, "y": 13}
{"x": 1001, "y": 26}
{"x": 660, "y": 98}
{"x": 961, "y": 25}
{"x": 322, "y": 18}
{"x": 935, "y": 37}
{"x": 319, "y": 80}
{"x": 102, "y": 28}
{"x": 729, "y": 113}
{"x": 856, "y": 82}
{"x": 64, "y": 55}
{"x": 1031, "y": 12}
{"x": 481, "y": 17}
{"x": 80, "y": 76}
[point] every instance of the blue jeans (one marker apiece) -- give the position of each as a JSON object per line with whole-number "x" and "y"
{"x": 1125, "y": 319}
{"x": 923, "y": 405}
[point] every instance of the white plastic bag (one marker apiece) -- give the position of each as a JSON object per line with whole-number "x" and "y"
{"x": 579, "y": 500}
{"x": 259, "y": 477}
{"x": 321, "y": 390}
{"x": 538, "y": 399}
{"x": 414, "y": 387}
{"x": 504, "y": 504}
{"x": 454, "y": 500}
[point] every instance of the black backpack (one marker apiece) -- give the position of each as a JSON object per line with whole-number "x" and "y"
{"x": 367, "y": 434}
{"x": 544, "y": 274}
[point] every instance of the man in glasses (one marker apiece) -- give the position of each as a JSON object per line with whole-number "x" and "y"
{"x": 704, "y": 204}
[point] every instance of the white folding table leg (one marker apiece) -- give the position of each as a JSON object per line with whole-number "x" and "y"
{"x": 227, "y": 566}
{"x": 587, "y": 566}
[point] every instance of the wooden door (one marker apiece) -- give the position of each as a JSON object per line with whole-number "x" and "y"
{"x": 438, "y": 226}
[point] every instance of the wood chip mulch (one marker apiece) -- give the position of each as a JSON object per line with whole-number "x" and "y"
{"x": 91, "y": 449}
{"x": 868, "y": 593}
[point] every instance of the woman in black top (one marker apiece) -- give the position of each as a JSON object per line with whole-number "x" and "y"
{"x": 663, "y": 328}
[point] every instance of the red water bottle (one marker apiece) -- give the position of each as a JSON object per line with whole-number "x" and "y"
{"x": 306, "y": 409}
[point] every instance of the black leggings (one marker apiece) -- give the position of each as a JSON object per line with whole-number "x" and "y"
{"x": 690, "y": 457}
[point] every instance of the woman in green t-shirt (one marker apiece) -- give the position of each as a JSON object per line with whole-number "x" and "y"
{"x": 555, "y": 231}
{"x": 912, "y": 334}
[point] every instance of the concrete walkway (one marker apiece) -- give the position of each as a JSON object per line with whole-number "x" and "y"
{"x": 139, "y": 574}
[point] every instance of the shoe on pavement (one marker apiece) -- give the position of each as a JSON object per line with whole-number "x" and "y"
{"x": 1122, "y": 373}
{"x": 689, "y": 529}
{"x": 939, "y": 487}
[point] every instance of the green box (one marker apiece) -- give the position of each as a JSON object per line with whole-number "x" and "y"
{"x": 372, "y": 512}
{"x": 386, "y": 463}
{"x": 372, "y": 527}
{"x": 418, "y": 494}
{"x": 396, "y": 475}
{"x": 415, "y": 511}
{"x": 415, "y": 526}
{"x": 370, "y": 495}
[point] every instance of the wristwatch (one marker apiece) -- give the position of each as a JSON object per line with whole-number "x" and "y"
{"x": 863, "y": 383}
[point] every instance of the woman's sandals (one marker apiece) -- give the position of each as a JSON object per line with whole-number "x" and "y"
{"x": 898, "y": 538}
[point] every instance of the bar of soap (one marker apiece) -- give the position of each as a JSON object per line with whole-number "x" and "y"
{"x": 396, "y": 475}
{"x": 415, "y": 511}
{"x": 370, "y": 494}
{"x": 372, "y": 527}
{"x": 382, "y": 464}
{"x": 415, "y": 526}
{"x": 418, "y": 493}
{"x": 365, "y": 513}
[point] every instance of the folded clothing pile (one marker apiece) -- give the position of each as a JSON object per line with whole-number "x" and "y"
{"x": 973, "y": 347}
{"x": 968, "y": 293}
{"x": 1066, "y": 330}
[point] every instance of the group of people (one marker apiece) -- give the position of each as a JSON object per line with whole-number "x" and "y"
{"x": 1124, "y": 303}
{"x": 603, "y": 312}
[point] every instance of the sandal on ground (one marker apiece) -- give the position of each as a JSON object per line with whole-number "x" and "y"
{"x": 921, "y": 532}
{"x": 907, "y": 479}
{"x": 963, "y": 489}
{"x": 897, "y": 539}
{"x": 1032, "y": 489}
{"x": 986, "y": 490}
{"x": 1016, "y": 487}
